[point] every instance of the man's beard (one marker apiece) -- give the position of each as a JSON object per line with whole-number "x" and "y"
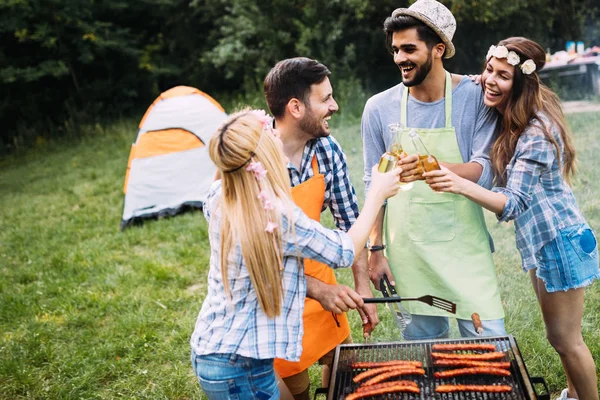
{"x": 421, "y": 72}
{"x": 311, "y": 125}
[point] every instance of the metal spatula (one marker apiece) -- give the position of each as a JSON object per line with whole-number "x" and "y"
{"x": 433, "y": 301}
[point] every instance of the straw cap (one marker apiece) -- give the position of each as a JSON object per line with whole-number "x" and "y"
{"x": 436, "y": 16}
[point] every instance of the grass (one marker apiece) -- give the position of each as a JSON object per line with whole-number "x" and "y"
{"x": 87, "y": 311}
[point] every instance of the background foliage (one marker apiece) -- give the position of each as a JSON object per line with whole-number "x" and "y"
{"x": 65, "y": 63}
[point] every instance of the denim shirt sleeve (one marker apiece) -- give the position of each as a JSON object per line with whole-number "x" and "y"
{"x": 310, "y": 239}
{"x": 534, "y": 155}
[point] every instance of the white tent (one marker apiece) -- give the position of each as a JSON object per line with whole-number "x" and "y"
{"x": 169, "y": 168}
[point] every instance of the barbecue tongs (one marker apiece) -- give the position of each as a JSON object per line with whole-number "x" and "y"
{"x": 401, "y": 315}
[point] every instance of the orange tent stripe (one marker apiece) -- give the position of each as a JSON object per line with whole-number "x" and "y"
{"x": 131, "y": 156}
{"x": 167, "y": 141}
{"x": 209, "y": 98}
{"x": 176, "y": 92}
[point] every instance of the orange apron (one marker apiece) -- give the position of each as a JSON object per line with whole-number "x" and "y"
{"x": 321, "y": 332}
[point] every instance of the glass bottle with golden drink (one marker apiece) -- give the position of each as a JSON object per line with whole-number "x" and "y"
{"x": 427, "y": 161}
{"x": 390, "y": 158}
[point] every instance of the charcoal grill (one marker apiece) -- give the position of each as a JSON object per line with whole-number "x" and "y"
{"x": 523, "y": 385}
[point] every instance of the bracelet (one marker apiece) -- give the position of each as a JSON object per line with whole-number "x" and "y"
{"x": 376, "y": 248}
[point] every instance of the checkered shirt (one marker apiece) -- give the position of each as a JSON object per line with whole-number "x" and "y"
{"x": 340, "y": 196}
{"x": 239, "y": 325}
{"x": 538, "y": 198}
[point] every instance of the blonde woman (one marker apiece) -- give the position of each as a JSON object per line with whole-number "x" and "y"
{"x": 252, "y": 312}
{"x": 533, "y": 159}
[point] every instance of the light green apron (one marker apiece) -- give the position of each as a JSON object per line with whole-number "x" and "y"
{"x": 437, "y": 243}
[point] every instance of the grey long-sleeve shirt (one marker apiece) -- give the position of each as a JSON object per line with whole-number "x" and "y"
{"x": 474, "y": 123}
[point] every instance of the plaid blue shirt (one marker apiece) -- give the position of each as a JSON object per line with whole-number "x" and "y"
{"x": 538, "y": 197}
{"x": 238, "y": 325}
{"x": 340, "y": 196}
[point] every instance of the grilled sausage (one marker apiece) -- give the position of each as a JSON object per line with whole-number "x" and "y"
{"x": 376, "y": 371}
{"x": 473, "y": 388}
{"x": 375, "y": 364}
{"x": 386, "y": 384}
{"x": 464, "y": 346}
{"x": 472, "y": 371}
{"x": 387, "y": 375}
{"x": 474, "y": 357}
{"x": 384, "y": 390}
{"x": 469, "y": 363}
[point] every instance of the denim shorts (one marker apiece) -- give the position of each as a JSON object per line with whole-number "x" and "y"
{"x": 570, "y": 261}
{"x": 424, "y": 327}
{"x": 230, "y": 376}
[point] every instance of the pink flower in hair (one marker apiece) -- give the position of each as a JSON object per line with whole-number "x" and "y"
{"x": 263, "y": 117}
{"x": 266, "y": 202}
{"x": 259, "y": 171}
{"x": 268, "y": 205}
{"x": 270, "y": 227}
{"x": 263, "y": 196}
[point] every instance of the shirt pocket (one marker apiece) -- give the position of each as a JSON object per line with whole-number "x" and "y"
{"x": 431, "y": 220}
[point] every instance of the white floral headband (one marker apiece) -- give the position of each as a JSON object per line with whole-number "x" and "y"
{"x": 528, "y": 67}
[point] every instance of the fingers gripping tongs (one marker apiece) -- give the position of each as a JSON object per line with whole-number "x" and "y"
{"x": 401, "y": 316}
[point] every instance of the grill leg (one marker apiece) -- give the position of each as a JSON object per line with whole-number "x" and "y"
{"x": 321, "y": 391}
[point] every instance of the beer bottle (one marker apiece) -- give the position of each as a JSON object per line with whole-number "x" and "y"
{"x": 390, "y": 158}
{"x": 427, "y": 161}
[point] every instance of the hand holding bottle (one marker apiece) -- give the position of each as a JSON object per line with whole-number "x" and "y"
{"x": 384, "y": 184}
{"x": 444, "y": 180}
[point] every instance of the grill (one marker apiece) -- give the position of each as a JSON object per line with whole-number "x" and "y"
{"x": 523, "y": 386}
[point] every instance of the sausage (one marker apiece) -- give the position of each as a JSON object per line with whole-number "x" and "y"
{"x": 453, "y": 356}
{"x": 473, "y": 388}
{"x": 472, "y": 371}
{"x": 375, "y": 364}
{"x": 399, "y": 372}
{"x": 477, "y": 323}
{"x": 464, "y": 346}
{"x": 376, "y": 371}
{"x": 469, "y": 363}
{"x": 367, "y": 329}
{"x": 386, "y": 384}
{"x": 384, "y": 390}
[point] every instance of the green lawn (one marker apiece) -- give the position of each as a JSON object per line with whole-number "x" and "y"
{"x": 87, "y": 311}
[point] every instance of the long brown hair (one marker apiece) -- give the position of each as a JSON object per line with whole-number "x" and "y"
{"x": 243, "y": 218}
{"x": 530, "y": 96}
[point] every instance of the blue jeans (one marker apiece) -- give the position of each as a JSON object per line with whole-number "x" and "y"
{"x": 424, "y": 327}
{"x": 230, "y": 376}
{"x": 570, "y": 261}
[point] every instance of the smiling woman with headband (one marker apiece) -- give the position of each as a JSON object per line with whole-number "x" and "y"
{"x": 252, "y": 312}
{"x": 533, "y": 159}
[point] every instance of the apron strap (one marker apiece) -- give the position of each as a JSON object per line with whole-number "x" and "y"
{"x": 404, "y": 107}
{"x": 447, "y": 102}
{"x": 315, "y": 165}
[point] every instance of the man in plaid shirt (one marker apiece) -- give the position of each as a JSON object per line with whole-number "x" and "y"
{"x": 300, "y": 97}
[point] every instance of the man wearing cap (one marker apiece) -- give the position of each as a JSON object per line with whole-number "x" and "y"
{"x": 435, "y": 244}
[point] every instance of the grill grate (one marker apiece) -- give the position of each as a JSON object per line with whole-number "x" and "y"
{"x": 342, "y": 373}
